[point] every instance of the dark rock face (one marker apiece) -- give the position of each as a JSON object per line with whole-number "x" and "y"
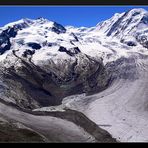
{"x": 4, "y": 44}
{"x": 10, "y": 32}
{"x": 144, "y": 19}
{"x": 129, "y": 43}
{"x": 28, "y": 52}
{"x": 75, "y": 37}
{"x": 5, "y": 39}
{"x": 58, "y": 28}
{"x": 34, "y": 45}
{"x": 62, "y": 49}
{"x": 71, "y": 51}
{"x": 75, "y": 50}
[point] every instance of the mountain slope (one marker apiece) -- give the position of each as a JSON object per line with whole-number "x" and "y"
{"x": 130, "y": 27}
{"x": 45, "y": 65}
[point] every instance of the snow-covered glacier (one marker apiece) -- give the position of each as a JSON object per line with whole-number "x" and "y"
{"x": 93, "y": 76}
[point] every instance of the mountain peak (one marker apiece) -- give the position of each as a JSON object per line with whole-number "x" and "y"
{"x": 139, "y": 10}
{"x": 42, "y": 20}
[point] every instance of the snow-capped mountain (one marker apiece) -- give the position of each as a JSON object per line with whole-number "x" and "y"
{"x": 52, "y": 54}
{"x": 42, "y": 62}
{"x": 71, "y": 57}
{"x": 129, "y": 27}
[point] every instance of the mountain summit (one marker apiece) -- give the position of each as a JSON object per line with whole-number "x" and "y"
{"x": 130, "y": 27}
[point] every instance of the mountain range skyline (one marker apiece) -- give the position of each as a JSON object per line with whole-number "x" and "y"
{"x": 71, "y": 15}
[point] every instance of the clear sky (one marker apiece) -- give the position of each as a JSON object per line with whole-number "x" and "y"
{"x": 66, "y": 15}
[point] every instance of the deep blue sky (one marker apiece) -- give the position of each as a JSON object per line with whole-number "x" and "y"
{"x": 66, "y": 15}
